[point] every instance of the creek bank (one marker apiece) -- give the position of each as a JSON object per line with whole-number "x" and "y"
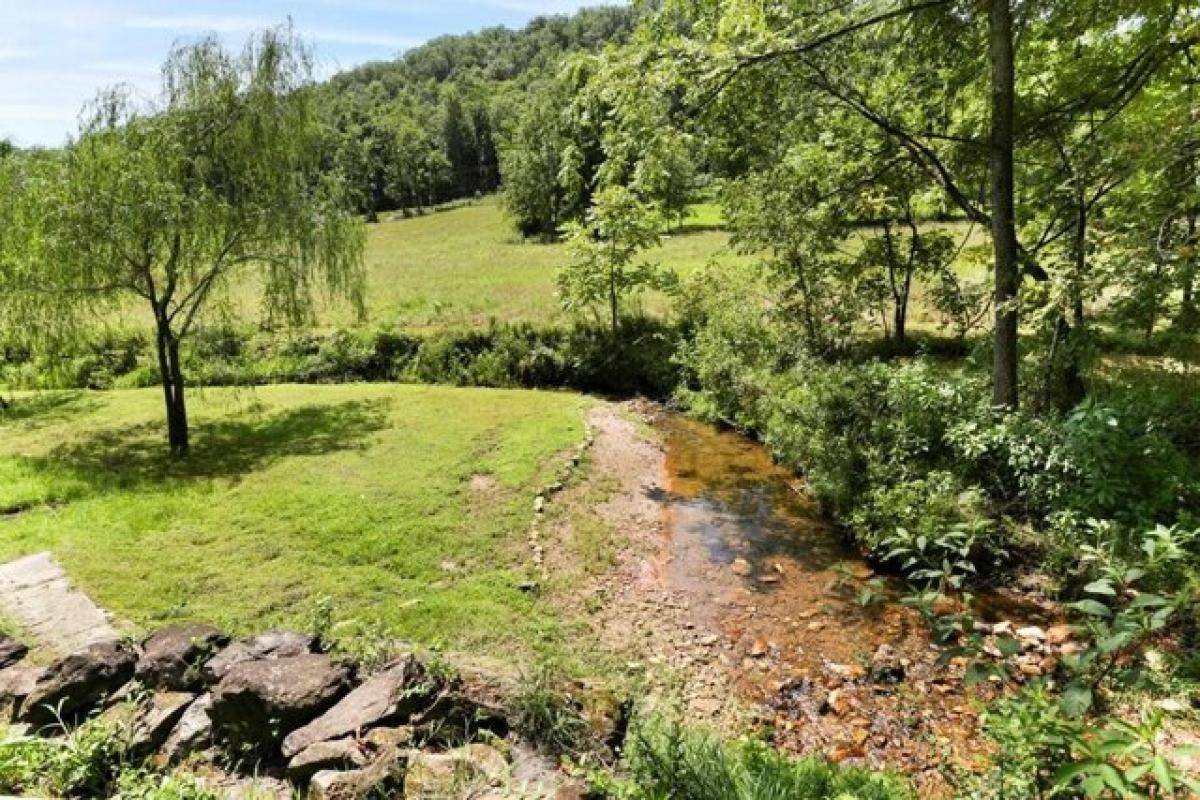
{"x": 293, "y": 715}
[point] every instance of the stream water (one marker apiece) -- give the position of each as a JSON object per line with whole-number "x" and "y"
{"x": 759, "y": 567}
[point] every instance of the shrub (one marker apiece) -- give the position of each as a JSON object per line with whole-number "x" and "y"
{"x": 667, "y": 760}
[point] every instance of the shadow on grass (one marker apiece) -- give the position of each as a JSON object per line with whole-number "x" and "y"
{"x": 136, "y": 456}
{"x": 42, "y": 410}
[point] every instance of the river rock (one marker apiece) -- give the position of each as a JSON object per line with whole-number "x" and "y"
{"x": 274, "y": 644}
{"x": 393, "y": 695}
{"x": 173, "y": 657}
{"x": 341, "y": 754}
{"x": 259, "y": 702}
{"x": 1059, "y": 634}
{"x": 78, "y": 683}
{"x": 886, "y": 665}
{"x": 462, "y": 772}
{"x": 1031, "y": 633}
{"x": 11, "y": 651}
{"x": 193, "y": 732}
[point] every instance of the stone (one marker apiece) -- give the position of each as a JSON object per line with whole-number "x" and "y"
{"x": 389, "y": 738}
{"x": 78, "y": 683}
{"x": 16, "y": 683}
{"x": 36, "y": 593}
{"x": 173, "y": 657}
{"x": 11, "y": 651}
{"x": 341, "y": 754}
{"x": 383, "y": 777}
{"x": 886, "y": 665}
{"x": 192, "y": 733}
{"x": 392, "y": 695}
{"x": 457, "y": 710}
{"x": 741, "y": 567}
{"x": 459, "y": 773}
{"x": 258, "y": 702}
{"x": 1059, "y": 634}
{"x": 274, "y": 644}
{"x": 156, "y": 720}
{"x": 1031, "y": 633}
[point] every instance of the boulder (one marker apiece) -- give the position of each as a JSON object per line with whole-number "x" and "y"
{"x": 11, "y": 651}
{"x": 156, "y": 720}
{"x": 274, "y": 644}
{"x": 78, "y": 683}
{"x": 384, "y": 777}
{"x": 392, "y": 695}
{"x": 464, "y": 772}
{"x": 173, "y": 657}
{"x": 342, "y": 754}
{"x": 16, "y": 683}
{"x": 192, "y": 733}
{"x": 258, "y": 702}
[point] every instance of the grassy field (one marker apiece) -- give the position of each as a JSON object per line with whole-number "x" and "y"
{"x": 404, "y": 506}
{"x": 463, "y": 266}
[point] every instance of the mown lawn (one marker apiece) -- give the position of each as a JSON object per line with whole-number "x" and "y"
{"x": 403, "y": 505}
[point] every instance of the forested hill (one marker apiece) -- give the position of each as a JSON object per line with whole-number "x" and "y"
{"x": 428, "y": 127}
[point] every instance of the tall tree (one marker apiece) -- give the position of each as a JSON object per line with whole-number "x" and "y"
{"x": 173, "y": 202}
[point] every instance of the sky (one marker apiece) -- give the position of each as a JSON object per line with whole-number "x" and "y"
{"x": 56, "y": 54}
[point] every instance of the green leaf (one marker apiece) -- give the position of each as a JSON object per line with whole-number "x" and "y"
{"x": 1102, "y": 586}
{"x": 1091, "y": 607}
{"x": 1163, "y": 774}
{"x": 1075, "y": 700}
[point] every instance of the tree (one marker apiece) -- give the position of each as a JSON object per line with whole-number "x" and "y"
{"x": 912, "y": 68}
{"x": 603, "y": 266}
{"x": 177, "y": 201}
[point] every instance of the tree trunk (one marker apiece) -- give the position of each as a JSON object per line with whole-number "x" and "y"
{"x": 173, "y": 387}
{"x": 612, "y": 298}
{"x": 1189, "y": 316}
{"x": 1004, "y": 233}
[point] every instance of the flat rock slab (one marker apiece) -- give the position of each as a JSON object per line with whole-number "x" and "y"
{"x": 36, "y": 593}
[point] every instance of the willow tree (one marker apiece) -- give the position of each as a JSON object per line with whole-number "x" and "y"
{"x": 215, "y": 186}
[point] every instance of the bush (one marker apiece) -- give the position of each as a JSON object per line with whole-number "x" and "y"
{"x": 585, "y": 357}
{"x": 909, "y": 456}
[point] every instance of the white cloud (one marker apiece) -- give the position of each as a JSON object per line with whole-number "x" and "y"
{"x": 8, "y": 53}
{"x": 342, "y": 36}
{"x": 217, "y": 23}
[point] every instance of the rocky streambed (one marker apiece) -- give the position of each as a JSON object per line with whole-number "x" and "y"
{"x": 738, "y": 599}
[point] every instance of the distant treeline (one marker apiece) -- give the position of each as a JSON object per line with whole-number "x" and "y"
{"x": 430, "y": 126}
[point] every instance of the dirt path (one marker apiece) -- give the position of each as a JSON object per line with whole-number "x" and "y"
{"x": 740, "y": 628}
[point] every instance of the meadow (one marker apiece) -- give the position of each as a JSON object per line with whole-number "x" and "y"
{"x": 463, "y": 265}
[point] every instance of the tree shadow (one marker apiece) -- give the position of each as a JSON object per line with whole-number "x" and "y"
{"x": 51, "y": 408}
{"x": 136, "y": 456}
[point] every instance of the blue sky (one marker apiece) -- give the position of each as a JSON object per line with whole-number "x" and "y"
{"x": 55, "y": 54}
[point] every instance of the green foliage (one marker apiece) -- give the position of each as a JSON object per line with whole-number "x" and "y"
{"x": 583, "y": 356}
{"x": 143, "y": 784}
{"x": 83, "y": 763}
{"x": 543, "y": 713}
{"x": 1041, "y": 751}
{"x": 603, "y": 269}
{"x": 667, "y": 760}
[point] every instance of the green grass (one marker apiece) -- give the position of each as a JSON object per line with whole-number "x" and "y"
{"x": 368, "y": 495}
{"x": 464, "y": 266}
